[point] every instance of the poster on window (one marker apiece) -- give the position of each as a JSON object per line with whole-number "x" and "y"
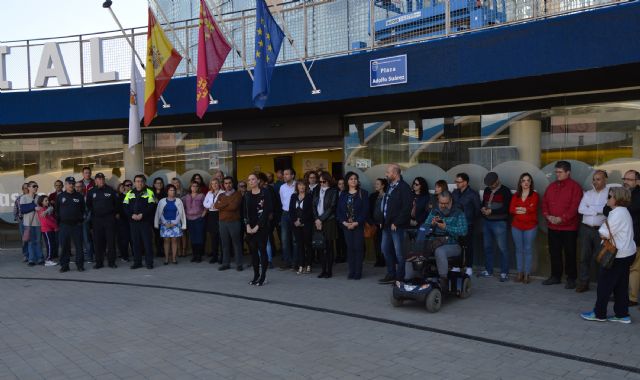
{"x": 314, "y": 164}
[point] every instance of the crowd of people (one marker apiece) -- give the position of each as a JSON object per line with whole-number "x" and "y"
{"x": 320, "y": 221}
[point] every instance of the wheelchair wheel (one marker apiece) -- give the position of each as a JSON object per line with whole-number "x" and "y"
{"x": 465, "y": 292}
{"x": 433, "y": 301}
{"x": 395, "y": 302}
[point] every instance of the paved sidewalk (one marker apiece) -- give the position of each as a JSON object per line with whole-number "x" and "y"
{"x": 52, "y": 329}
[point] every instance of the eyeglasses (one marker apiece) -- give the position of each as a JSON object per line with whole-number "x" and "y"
{"x": 459, "y": 181}
{"x": 127, "y": 185}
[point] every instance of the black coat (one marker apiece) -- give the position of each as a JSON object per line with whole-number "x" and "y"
{"x": 329, "y": 205}
{"x": 399, "y": 203}
{"x": 307, "y": 209}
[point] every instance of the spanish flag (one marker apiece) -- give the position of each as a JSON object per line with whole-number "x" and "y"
{"x": 162, "y": 62}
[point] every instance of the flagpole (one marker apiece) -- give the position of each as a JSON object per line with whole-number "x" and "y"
{"x": 107, "y": 4}
{"x": 315, "y": 90}
{"x": 175, "y": 35}
{"x": 233, "y": 44}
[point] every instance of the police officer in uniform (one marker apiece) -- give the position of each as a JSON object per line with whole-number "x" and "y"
{"x": 69, "y": 209}
{"x": 101, "y": 202}
{"x": 139, "y": 207}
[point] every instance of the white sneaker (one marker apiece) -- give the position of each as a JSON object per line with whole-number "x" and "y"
{"x": 50, "y": 263}
{"x": 469, "y": 271}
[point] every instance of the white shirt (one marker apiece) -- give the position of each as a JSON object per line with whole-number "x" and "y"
{"x": 286, "y": 191}
{"x": 321, "y": 200}
{"x": 591, "y": 206}
{"x": 622, "y": 229}
{"x": 210, "y": 199}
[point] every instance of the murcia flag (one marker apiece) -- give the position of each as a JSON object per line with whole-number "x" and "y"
{"x": 136, "y": 97}
{"x": 162, "y": 62}
{"x": 213, "y": 49}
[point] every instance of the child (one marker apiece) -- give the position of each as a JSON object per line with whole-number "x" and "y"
{"x": 49, "y": 228}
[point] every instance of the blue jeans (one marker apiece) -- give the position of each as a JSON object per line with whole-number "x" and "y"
{"x": 495, "y": 230}
{"x": 392, "y": 248}
{"x": 286, "y": 239}
{"x": 35, "y": 245}
{"x": 523, "y": 240}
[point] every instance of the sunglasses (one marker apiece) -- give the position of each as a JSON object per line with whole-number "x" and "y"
{"x": 34, "y": 186}
{"x": 127, "y": 185}
{"x": 610, "y": 196}
{"x": 416, "y": 184}
{"x": 323, "y": 181}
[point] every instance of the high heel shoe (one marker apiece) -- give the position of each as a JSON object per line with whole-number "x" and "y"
{"x": 261, "y": 282}
{"x": 166, "y": 263}
{"x": 255, "y": 280}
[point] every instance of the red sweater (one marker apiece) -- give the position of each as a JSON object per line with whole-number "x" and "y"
{"x": 528, "y": 220}
{"x": 562, "y": 199}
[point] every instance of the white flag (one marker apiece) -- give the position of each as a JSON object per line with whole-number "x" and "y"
{"x": 136, "y": 98}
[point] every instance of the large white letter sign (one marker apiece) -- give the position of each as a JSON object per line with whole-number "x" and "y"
{"x": 97, "y": 75}
{"x": 51, "y": 66}
{"x": 4, "y": 83}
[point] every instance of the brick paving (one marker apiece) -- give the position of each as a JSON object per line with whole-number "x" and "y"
{"x": 72, "y": 330}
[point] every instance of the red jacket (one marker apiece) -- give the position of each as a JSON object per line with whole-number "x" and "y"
{"x": 528, "y": 220}
{"x": 562, "y": 199}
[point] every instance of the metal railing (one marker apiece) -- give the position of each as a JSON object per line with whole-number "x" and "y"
{"x": 318, "y": 29}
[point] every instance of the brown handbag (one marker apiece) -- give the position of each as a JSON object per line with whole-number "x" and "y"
{"x": 608, "y": 251}
{"x": 370, "y": 230}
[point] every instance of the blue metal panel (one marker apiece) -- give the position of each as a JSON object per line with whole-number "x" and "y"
{"x": 588, "y": 40}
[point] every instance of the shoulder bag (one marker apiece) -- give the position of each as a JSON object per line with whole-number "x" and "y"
{"x": 608, "y": 251}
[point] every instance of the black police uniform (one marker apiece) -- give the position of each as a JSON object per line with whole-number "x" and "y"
{"x": 70, "y": 215}
{"x": 141, "y": 202}
{"x": 101, "y": 202}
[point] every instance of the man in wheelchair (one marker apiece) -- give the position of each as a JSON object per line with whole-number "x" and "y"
{"x": 444, "y": 226}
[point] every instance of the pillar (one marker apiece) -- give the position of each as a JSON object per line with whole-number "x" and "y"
{"x": 133, "y": 161}
{"x": 635, "y": 143}
{"x": 525, "y": 135}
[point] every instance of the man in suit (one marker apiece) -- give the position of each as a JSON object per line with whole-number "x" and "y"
{"x": 396, "y": 208}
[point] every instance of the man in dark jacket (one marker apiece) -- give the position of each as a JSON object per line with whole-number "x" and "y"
{"x": 396, "y": 208}
{"x": 139, "y": 208}
{"x": 631, "y": 181}
{"x": 69, "y": 213}
{"x": 468, "y": 200}
{"x": 101, "y": 202}
{"x": 495, "y": 213}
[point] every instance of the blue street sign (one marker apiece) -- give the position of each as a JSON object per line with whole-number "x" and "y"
{"x": 388, "y": 71}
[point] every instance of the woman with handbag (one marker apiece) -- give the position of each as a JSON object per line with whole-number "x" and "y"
{"x": 353, "y": 208}
{"x": 615, "y": 258}
{"x": 31, "y": 223}
{"x": 300, "y": 207}
{"x": 324, "y": 214}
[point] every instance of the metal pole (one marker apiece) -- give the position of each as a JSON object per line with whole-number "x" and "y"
{"x": 315, "y": 90}
{"x": 372, "y": 22}
{"x": 447, "y": 17}
{"x": 28, "y": 65}
{"x": 306, "y": 30}
{"x": 164, "y": 102}
{"x": 186, "y": 34}
{"x": 81, "y": 62}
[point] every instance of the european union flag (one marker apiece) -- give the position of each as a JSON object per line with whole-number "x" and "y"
{"x": 269, "y": 38}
